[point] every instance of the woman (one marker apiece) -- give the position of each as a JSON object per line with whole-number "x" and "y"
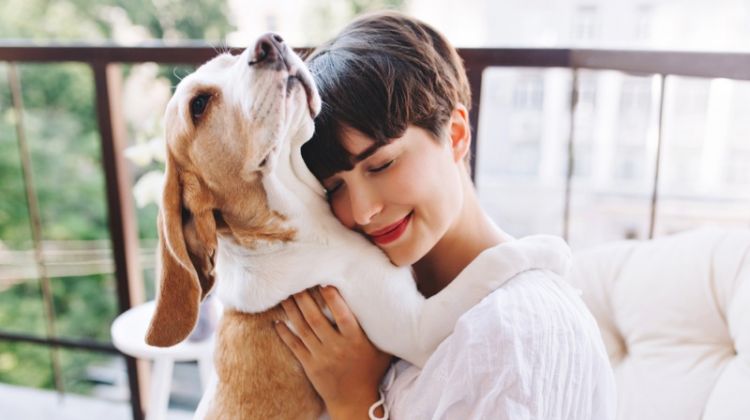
{"x": 391, "y": 148}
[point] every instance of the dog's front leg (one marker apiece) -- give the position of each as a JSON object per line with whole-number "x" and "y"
{"x": 414, "y": 326}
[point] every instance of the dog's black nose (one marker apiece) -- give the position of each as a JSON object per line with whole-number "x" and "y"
{"x": 268, "y": 48}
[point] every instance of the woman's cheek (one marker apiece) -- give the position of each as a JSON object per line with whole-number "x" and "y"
{"x": 404, "y": 180}
{"x": 342, "y": 210}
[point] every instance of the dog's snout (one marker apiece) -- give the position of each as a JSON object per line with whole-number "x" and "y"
{"x": 268, "y": 48}
{"x": 277, "y": 38}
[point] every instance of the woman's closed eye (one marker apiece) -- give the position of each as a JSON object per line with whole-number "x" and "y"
{"x": 331, "y": 189}
{"x": 381, "y": 167}
{"x": 334, "y": 186}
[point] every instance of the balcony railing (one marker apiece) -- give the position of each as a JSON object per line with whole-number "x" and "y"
{"x": 105, "y": 62}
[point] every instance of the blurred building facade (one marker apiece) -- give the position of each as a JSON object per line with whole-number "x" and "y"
{"x": 525, "y": 118}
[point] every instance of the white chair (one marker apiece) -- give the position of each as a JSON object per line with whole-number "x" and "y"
{"x": 675, "y": 317}
{"x": 128, "y": 336}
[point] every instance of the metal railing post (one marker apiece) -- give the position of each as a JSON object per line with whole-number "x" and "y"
{"x": 122, "y": 224}
{"x": 474, "y": 76}
{"x": 35, "y": 220}
{"x": 571, "y": 154}
{"x": 657, "y": 165}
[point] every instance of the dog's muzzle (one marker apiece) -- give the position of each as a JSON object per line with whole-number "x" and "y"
{"x": 269, "y": 51}
{"x": 272, "y": 53}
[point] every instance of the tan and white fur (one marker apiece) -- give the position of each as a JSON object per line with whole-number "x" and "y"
{"x": 241, "y": 207}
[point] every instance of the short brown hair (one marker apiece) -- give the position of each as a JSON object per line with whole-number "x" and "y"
{"x": 383, "y": 72}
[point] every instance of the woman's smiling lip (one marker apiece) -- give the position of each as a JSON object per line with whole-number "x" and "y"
{"x": 390, "y": 233}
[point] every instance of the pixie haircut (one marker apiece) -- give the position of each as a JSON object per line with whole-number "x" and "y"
{"x": 383, "y": 72}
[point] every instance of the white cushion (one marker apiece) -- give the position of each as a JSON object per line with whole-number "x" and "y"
{"x": 675, "y": 317}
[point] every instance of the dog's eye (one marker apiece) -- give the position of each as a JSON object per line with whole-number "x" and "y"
{"x": 198, "y": 105}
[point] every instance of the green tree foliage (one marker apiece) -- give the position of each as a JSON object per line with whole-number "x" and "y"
{"x": 14, "y": 222}
{"x": 61, "y": 128}
{"x": 88, "y": 19}
{"x": 362, "y": 6}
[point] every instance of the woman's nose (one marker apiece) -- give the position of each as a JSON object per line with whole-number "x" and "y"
{"x": 365, "y": 205}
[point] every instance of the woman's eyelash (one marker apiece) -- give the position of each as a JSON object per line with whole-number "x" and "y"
{"x": 330, "y": 191}
{"x": 382, "y": 167}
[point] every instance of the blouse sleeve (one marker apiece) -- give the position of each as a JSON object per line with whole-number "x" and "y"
{"x": 530, "y": 350}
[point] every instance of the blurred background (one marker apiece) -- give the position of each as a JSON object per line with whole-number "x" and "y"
{"x": 637, "y": 155}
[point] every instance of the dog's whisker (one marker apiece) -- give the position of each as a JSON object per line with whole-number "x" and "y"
{"x": 174, "y": 73}
{"x": 266, "y": 97}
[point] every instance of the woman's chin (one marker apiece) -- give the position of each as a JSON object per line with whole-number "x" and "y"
{"x": 402, "y": 255}
{"x": 399, "y": 262}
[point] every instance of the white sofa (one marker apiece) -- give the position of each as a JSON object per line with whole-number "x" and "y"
{"x": 675, "y": 316}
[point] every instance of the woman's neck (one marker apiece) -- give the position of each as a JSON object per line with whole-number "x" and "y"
{"x": 471, "y": 233}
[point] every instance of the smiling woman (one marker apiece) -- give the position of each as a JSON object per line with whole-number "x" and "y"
{"x": 391, "y": 147}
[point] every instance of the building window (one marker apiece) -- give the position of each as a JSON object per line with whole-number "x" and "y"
{"x": 272, "y": 22}
{"x": 585, "y": 23}
{"x": 628, "y": 166}
{"x": 643, "y": 16}
{"x": 636, "y": 96}
{"x": 586, "y": 93}
{"x": 736, "y": 171}
{"x": 528, "y": 94}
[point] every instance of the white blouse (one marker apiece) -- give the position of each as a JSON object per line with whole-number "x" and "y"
{"x": 530, "y": 350}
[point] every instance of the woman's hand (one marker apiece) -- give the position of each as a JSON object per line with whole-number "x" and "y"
{"x": 340, "y": 361}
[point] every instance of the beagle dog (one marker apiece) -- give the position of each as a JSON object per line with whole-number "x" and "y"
{"x": 241, "y": 209}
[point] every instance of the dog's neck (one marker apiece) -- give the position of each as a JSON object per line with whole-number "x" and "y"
{"x": 288, "y": 204}
{"x": 292, "y": 190}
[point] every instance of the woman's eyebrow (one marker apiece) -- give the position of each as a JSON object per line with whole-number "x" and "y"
{"x": 367, "y": 152}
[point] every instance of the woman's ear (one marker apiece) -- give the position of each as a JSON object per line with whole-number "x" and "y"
{"x": 460, "y": 132}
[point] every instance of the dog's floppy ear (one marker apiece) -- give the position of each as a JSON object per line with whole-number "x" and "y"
{"x": 187, "y": 245}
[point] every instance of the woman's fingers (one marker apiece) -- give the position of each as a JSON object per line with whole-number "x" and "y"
{"x": 299, "y": 325}
{"x": 344, "y": 370}
{"x": 345, "y": 319}
{"x": 316, "y": 320}
{"x": 293, "y": 342}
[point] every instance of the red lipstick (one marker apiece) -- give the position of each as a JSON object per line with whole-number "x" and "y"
{"x": 390, "y": 233}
